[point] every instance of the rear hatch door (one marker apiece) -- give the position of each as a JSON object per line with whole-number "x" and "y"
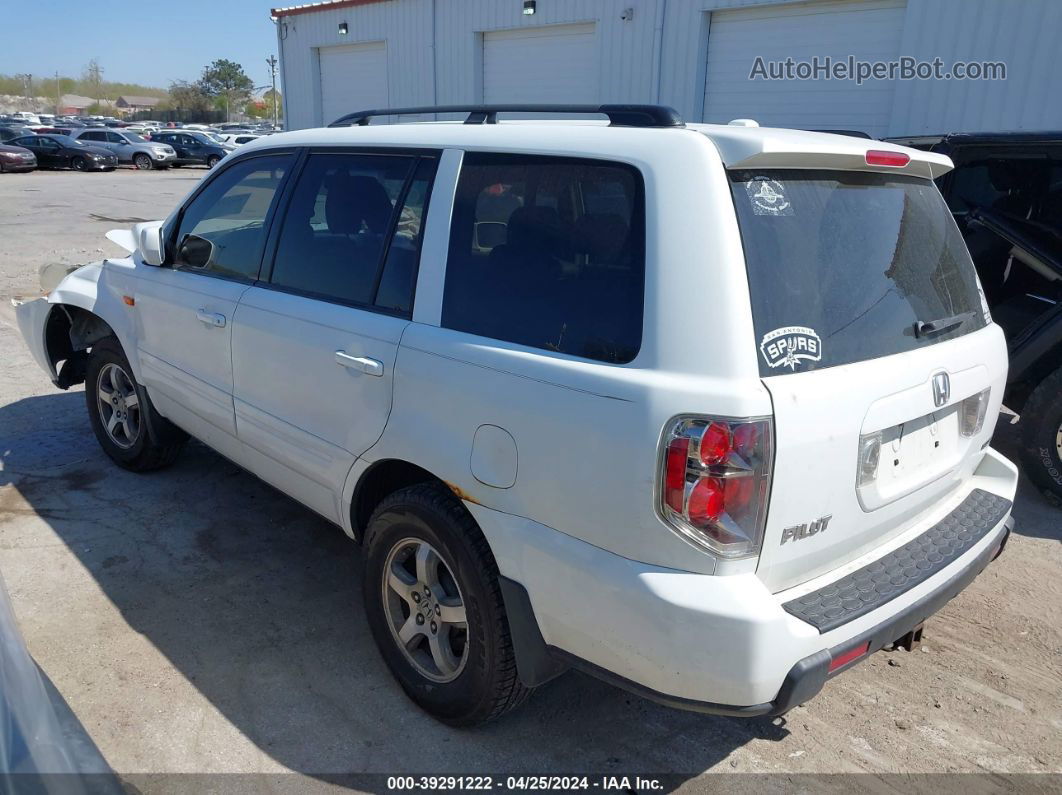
{"x": 875, "y": 343}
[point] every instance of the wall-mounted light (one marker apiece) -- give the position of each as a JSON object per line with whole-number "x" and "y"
{"x": 343, "y": 28}
{"x": 529, "y": 7}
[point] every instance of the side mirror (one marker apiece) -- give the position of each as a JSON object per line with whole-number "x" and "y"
{"x": 195, "y": 252}
{"x": 148, "y": 238}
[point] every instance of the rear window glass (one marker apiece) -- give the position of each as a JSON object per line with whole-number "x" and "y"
{"x": 548, "y": 252}
{"x": 845, "y": 266}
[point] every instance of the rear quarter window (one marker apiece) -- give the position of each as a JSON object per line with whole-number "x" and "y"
{"x": 548, "y": 252}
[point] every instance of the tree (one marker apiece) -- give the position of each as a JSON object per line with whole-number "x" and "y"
{"x": 267, "y": 97}
{"x": 189, "y": 96}
{"x": 226, "y": 79}
{"x": 92, "y": 77}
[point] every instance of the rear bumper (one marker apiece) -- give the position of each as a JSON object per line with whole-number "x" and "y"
{"x": 719, "y": 644}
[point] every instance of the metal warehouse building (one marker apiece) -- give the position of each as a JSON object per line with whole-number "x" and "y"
{"x": 695, "y": 55}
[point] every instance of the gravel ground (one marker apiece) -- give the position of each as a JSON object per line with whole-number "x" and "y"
{"x": 198, "y": 621}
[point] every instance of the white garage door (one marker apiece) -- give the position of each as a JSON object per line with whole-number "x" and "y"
{"x": 353, "y": 77}
{"x": 555, "y": 63}
{"x": 868, "y": 31}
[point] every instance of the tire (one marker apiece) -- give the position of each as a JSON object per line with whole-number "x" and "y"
{"x": 142, "y": 162}
{"x": 1042, "y": 436}
{"x": 212, "y": 161}
{"x": 176, "y": 165}
{"x": 141, "y": 439}
{"x": 79, "y": 164}
{"x": 479, "y": 681}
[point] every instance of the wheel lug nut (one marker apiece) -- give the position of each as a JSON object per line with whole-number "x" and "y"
{"x": 416, "y": 597}
{"x": 427, "y": 591}
{"x": 434, "y": 627}
{"x": 438, "y": 610}
{"x": 420, "y": 619}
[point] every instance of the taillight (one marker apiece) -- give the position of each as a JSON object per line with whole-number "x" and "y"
{"x": 715, "y": 481}
{"x": 869, "y": 456}
{"x": 972, "y": 413}
{"x": 881, "y": 157}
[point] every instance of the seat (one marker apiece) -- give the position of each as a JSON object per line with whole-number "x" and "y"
{"x": 340, "y": 261}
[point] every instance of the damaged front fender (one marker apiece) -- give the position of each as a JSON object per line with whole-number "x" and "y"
{"x": 32, "y": 317}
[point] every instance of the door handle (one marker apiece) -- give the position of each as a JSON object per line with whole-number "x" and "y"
{"x": 210, "y": 318}
{"x": 366, "y": 365}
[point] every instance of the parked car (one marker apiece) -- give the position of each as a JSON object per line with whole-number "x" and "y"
{"x": 239, "y": 139}
{"x": 16, "y": 158}
{"x": 8, "y": 134}
{"x": 129, "y": 147}
{"x": 703, "y": 410}
{"x": 62, "y": 151}
{"x": 27, "y": 118}
{"x": 192, "y": 147}
{"x": 1006, "y": 195}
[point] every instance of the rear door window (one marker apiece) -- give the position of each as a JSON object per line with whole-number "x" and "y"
{"x": 845, "y": 266}
{"x": 548, "y": 252}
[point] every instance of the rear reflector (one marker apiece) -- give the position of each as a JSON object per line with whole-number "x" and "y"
{"x": 843, "y": 659}
{"x": 880, "y": 157}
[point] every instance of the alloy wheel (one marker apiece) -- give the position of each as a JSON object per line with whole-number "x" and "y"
{"x": 142, "y": 162}
{"x": 425, "y": 611}
{"x": 119, "y": 406}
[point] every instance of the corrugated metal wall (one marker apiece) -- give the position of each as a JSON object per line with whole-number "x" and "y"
{"x": 658, "y": 55}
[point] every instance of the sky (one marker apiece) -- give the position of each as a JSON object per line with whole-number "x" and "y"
{"x": 151, "y": 42}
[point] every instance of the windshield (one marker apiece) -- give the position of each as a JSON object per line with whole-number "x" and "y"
{"x": 134, "y": 138}
{"x": 845, "y": 266}
{"x": 215, "y": 136}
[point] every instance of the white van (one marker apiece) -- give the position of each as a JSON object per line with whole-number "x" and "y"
{"x": 703, "y": 410}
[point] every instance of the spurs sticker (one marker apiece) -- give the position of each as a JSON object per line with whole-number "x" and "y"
{"x": 768, "y": 197}
{"x": 788, "y": 346}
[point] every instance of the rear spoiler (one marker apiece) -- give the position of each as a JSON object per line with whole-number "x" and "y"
{"x": 810, "y": 150}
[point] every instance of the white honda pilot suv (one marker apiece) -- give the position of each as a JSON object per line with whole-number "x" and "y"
{"x": 702, "y": 410}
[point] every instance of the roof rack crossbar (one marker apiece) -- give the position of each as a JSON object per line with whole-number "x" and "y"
{"x": 618, "y": 115}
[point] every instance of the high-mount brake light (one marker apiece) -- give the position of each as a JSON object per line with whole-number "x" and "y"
{"x": 715, "y": 480}
{"x": 882, "y": 157}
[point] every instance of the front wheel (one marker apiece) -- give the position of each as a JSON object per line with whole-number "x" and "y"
{"x": 1042, "y": 436}
{"x": 142, "y": 162}
{"x": 120, "y": 412}
{"x": 212, "y": 161}
{"x": 78, "y": 164}
{"x": 435, "y": 608}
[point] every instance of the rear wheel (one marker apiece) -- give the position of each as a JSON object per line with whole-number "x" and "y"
{"x": 126, "y": 424}
{"x": 142, "y": 162}
{"x": 1042, "y": 436}
{"x": 212, "y": 161}
{"x": 435, "y": 608}
{"x": 78, "y": 164}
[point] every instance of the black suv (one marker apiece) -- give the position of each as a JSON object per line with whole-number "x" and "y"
{"x": 1006, "y": 195}
{"x": 192, "y": 147}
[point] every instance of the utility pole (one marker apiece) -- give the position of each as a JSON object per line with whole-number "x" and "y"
{"x": 27, "y": 83}
{"x": 272, "y": 62}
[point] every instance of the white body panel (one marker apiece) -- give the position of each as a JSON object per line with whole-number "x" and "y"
{"x": 557, "y": 456}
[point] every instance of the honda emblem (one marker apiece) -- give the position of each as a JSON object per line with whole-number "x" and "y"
{"x": 941, "y": 389}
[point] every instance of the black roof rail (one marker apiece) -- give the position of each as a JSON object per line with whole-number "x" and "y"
{"x": 618, "y": 115}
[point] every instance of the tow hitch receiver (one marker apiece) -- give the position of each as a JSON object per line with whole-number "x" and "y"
{"x": 911, "y": 641}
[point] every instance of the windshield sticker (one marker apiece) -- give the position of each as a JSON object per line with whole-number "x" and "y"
{"x": 768, "y": 197}
{"x": 788, "y": 346}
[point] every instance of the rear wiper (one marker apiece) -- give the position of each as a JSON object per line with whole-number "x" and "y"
{"x": 927, "y": 327}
